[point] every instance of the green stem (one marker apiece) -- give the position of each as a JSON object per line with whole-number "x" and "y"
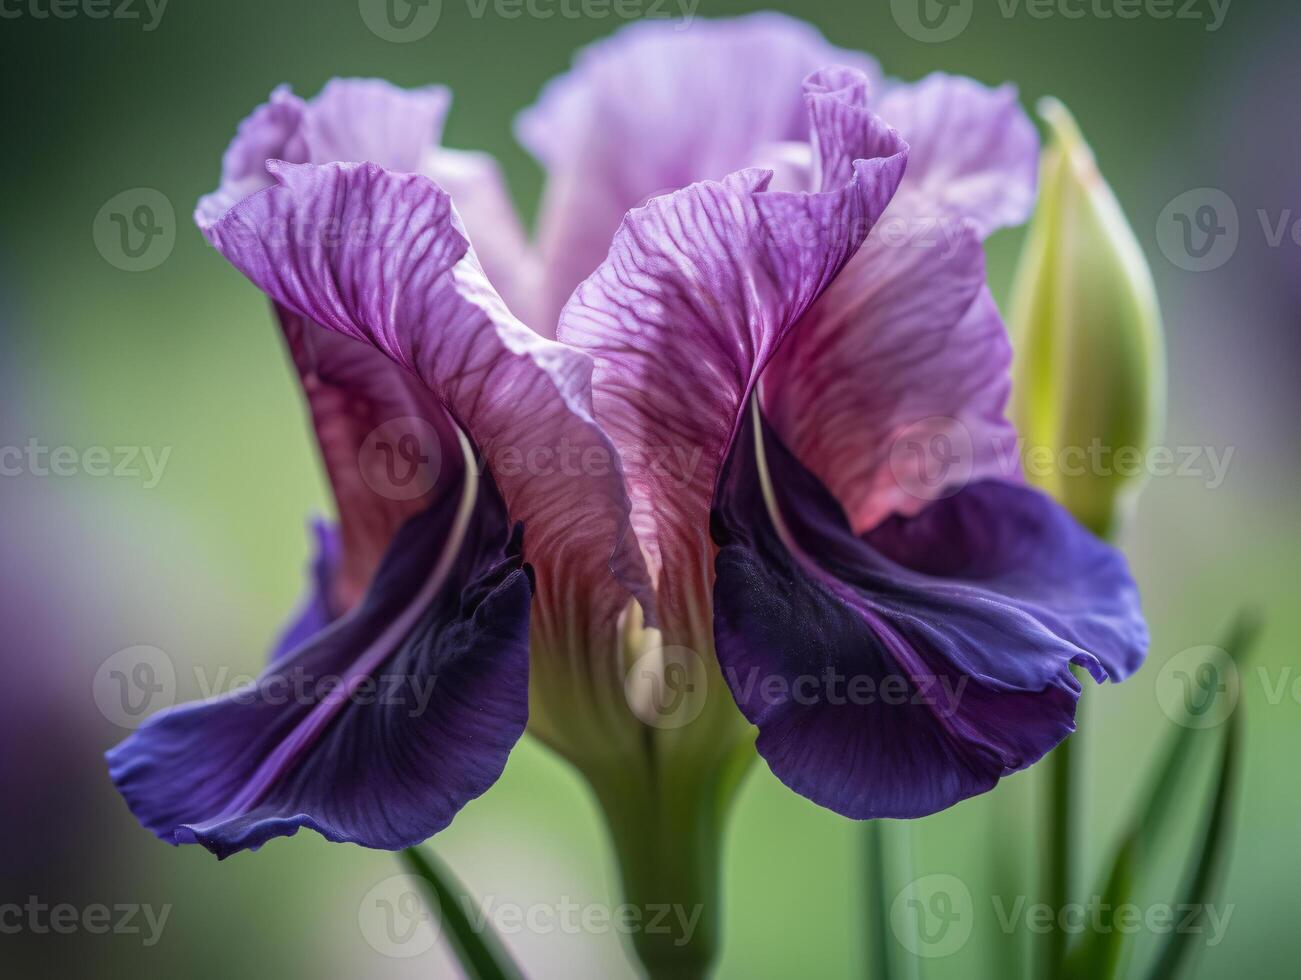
{"x": 668, "y": 846}
{"x": 878, "y": 903}
{"x": 1062, "y": 827}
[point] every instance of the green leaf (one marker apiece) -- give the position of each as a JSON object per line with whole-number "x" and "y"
{"x": 481, "y": 954}
{"x": 1204, "y": 879}
{"x": 1098, "y": 955}
{"x": 1149, "y": 826}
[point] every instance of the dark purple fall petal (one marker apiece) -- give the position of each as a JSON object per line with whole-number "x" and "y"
{"x": 699, "y": 289}
{"x": 318, "y": 609}
{"x": 377, "y": 730}
{"x": 957, "y": 626}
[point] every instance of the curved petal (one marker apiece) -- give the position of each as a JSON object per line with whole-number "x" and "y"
{"x": 699, "y": 289}
{"x": 387, "y": 445}
{"x": 266, "y": 134}
{"x": 892, "y": 389}
{"x": 318, "y": 609}
{"x": 974, "y": 154}
{"x": 654, "y": 108}
{"x": 379, "y": 729}
{"x": 351, "y": 120}
{"x": 475, "y": 182}
{"x": 369, "y": 120}
{"x": 381, "y": 258}
{"x": 895, "y": 675}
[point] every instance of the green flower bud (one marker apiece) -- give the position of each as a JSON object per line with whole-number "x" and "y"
{"x": 1089, "y": 370}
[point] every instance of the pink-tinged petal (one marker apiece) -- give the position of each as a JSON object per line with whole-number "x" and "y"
{"x": 381, "y": 258}
{"x": 700, "y": 288}
{"x": 654, "y": 108}
{"x": 269, "y": 133}
{"x": 483, "y": 201}
{"x": 387, "y": 445}
{"x": 974, "y": 154}
{"x": 351, "y": 120}
{"x": 892, "y": 389}
{"x": 369, "y": 120}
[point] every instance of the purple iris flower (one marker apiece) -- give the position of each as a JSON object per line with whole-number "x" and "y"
{"x": 758, "y": 266}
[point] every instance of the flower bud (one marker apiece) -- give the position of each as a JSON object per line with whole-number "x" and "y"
{"x": 1089, "y": 373}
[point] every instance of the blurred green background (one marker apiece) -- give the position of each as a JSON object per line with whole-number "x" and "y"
{"x": 206, "y": 564}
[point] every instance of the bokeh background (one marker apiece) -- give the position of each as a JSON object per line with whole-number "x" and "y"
{"x": 205, "y": 564}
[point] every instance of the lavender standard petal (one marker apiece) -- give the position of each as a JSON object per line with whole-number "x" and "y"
{"x": 654, "y": 108}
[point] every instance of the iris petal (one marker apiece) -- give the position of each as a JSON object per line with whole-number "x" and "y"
{"x": 318, "y": 609}
{"x": 896, "y": 674}
{"x": 974, "y": 153}
{"x": 382, "y": 258}
{"x": 699, "y": 289}
{"x": 904, "y": 347}
{"x": 375, "y": 731}
{"x": 362, "y": 403}
{"x": 654, "y": 108}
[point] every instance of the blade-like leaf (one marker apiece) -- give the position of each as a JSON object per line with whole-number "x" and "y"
{"x": 1150, "y": 822}
{"x": 1098, "y": 955}
{"x": 1204, "y": 880}
{"x": 480, "y": 953}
